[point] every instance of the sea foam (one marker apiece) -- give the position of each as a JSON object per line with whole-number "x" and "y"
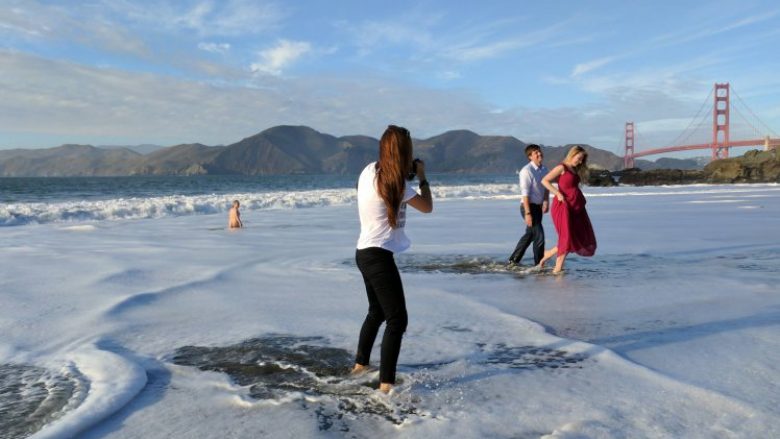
{"x": 16, "y": 214}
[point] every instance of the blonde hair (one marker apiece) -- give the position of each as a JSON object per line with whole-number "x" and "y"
{"x": 582, "y": 168}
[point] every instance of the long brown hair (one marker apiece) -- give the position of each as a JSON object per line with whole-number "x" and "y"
{"x": 582, "y": 168}
{"x": 394, "y": 164}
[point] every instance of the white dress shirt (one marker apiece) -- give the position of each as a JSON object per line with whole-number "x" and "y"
{"x": 531, "y": 183}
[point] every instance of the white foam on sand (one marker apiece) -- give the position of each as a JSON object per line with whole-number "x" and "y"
{"x": 670, "y": 330}
{"x": 113, "y": 381}
{"x": 80, "y": 228}
{"x": 717, "y": 201}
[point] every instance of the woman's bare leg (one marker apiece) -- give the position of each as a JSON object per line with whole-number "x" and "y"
{"x": 547, "y": 255}
{"x": 559, "y": 263}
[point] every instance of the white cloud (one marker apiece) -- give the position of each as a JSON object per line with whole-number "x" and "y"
{"x": 60, "y": 98}
{"x": 197, "y": 15}
{"x": 583, "y": 68}
{"x": 57, "y": 98}
{"x": 674, "y": 126}
{"x": 710, "y": 29}
{"x": 205, "y": 17}
{"x": 214, "y": 47}
{"x": 231, "y": 17}
{"x": 16, "y": 21}
{"x": 370, "y": 35}
{"x": 449, "y": 75}
{"x": 666, "y": 79}
{"x": 432, "y": 37}
{"x": 747, "y": 21}
{"x": 275, "y": 59}
{"x": 35, "y": 21}
{"x": 485, "y": 50}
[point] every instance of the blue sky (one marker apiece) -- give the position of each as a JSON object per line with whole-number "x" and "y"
{"x": 214, "y": 72}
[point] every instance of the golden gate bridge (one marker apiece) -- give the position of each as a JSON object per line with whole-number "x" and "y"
{"x": 752, "y": 130}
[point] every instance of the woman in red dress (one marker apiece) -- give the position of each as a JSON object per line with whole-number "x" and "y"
{"x": 575, "y": 233}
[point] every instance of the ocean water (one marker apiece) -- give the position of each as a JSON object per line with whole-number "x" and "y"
{"x": 37, "y": 200}
{"x": 133, "y": 313}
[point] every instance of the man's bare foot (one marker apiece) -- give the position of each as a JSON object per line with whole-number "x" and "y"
{"x": 557, "y": 272}
{"x": 385, "y": 388}
{"x": 358, "y": 369}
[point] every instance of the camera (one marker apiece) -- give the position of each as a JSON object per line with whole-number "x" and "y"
{"x": 414, "y": 170}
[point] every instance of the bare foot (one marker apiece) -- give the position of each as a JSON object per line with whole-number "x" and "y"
{"x": 385, "y": 388}
{"x": 358, "y": 369}
{"x": 557, "y": 272}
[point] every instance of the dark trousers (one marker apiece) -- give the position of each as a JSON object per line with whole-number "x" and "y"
{"x": 534, "y": 234}
{"x": 386, "y": 303}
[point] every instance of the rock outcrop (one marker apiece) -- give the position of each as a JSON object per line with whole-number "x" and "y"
{"x": 753, "y": 167}
{"x": 659, "y": 177}
{"x": 600, "y": 177}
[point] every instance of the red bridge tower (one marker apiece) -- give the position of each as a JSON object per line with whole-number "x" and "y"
{"x": 720, "y": 150}
{"x": 628, "y": 158}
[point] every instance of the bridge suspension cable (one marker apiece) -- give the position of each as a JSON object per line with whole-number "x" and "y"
{"x": 756, "y": 132}
{"x": 679, "y": 140}
{"x": 758, "y": 119}
{"x": 639, "y": 139}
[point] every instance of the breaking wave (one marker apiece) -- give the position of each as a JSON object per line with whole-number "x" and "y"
{"x": 16, "y": 214}
{"x": 131, "y": 208}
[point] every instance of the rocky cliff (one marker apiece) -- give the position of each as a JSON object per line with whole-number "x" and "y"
{"x": 656, "y": 177}
{"x": 753, "y": 167}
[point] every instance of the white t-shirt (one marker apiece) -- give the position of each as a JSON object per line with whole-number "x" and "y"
{"x": 375, "y": 230}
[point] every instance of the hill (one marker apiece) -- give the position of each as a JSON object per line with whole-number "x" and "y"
{"x": 65, "y": 161}
{"x": 288, "y": 149}
{"x": 188, "y": 159}
{"x": 140, "y": 149}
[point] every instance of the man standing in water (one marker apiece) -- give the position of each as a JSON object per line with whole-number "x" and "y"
{"x": 535, "y": 203}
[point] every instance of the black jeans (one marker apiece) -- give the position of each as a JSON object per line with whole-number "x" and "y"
{"x": 386, "y": 303}
{"x": 534, "y": 233}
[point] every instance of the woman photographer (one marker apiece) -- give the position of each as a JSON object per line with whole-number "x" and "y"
{"x": 384, "y": 190}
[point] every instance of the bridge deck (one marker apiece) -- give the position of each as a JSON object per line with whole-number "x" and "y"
{"x": 773, "y": 143}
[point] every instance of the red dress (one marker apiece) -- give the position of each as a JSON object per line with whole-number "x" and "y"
{"x": 575, "y": 233}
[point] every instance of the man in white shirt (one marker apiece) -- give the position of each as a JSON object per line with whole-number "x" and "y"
{"x": 535, "y": 203}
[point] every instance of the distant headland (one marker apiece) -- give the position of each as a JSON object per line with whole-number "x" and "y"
{"x": 289, "y": 149}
